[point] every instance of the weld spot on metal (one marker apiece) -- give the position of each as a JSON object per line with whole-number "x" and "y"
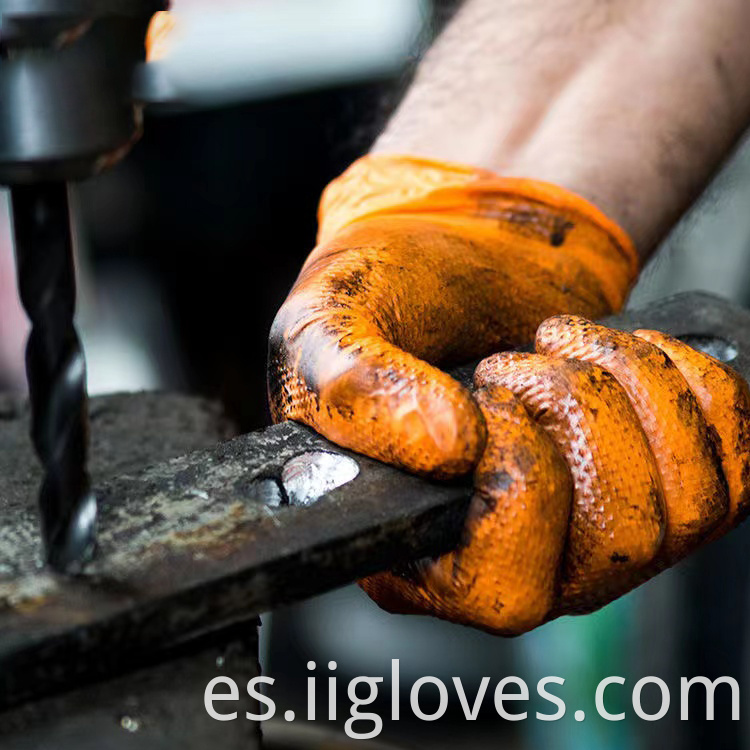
{"x": 714, "y": 346}
{"x": 311, "y": 475}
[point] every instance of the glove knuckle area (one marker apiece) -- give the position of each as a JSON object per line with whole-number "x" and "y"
{"x": 683, "y": 444}
{"x": 617, "y": 520}
{"x": 724, "y": 398}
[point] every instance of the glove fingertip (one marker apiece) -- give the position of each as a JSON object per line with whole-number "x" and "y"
{"x": 429, "y": 425}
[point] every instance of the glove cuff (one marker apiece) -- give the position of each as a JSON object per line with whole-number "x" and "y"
{"x": 395, "y": 185}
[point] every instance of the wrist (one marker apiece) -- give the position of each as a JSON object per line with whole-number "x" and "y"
{"x": 633, "y": 108}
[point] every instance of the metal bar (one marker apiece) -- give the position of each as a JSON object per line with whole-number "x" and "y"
{"x": 199, "y": 542}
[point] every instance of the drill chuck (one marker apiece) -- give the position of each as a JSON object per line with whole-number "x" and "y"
{"x": 66, "y": 77}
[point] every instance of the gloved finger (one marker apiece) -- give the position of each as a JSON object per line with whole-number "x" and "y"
{"x": 504, "y": 579}
{"x": 686, "y": 451}
{"x": 348, "y": 350}
{"x": 724, "y": 398}
{"x": 363, "y": 393}
{"x": 618, "y": 518}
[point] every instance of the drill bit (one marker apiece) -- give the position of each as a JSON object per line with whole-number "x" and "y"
{"x": 56, "y": 372}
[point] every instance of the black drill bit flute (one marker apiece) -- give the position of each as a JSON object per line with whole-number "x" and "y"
{"x": 56, "y": 372}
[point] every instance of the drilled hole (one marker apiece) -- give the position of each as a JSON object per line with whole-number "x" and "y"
{"x": 715, "y": 346}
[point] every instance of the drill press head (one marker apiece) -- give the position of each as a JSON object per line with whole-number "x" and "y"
{"x": 66, "y": 112}
{"x": 66, "y": 70}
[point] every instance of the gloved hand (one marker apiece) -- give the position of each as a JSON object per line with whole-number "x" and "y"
{"x": 592, "y": 476}
{"x": 421, "y": 263}
{"x": 609, "y": 457}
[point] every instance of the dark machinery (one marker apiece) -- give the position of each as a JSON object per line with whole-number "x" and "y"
{"x": 66, "y": 113}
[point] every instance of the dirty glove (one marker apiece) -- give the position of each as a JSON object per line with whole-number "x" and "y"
{"x": 609, "y": 457}
{"x": 421, "y": 263}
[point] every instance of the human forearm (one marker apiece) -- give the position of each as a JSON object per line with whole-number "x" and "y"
{"x": 632, "y": 104}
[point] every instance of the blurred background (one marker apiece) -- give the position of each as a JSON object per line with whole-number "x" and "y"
{"x": 187, "y": 248}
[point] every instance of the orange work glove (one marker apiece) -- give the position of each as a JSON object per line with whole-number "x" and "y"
{"x": 609, "y": 457}
{"x": 605, "y": 457}
{"x": 423, "y": 264}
